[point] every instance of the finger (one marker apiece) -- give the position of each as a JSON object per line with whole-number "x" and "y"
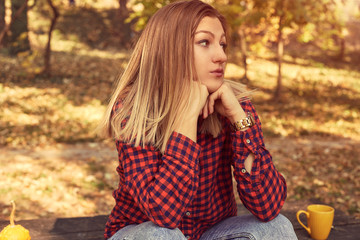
{"x": 205, "y": 110}
{"x": 212, "y": 98}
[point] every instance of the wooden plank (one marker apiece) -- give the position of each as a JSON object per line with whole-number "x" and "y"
{"x": 64, "y": 228}
{"x": 91, "y": 228}
{"x": 346, "y": 232}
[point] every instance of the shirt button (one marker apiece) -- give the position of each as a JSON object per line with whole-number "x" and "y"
{"x": 248, "y": 140}
{"x": 243, "y": 170}
{"x": 187, "y": 213}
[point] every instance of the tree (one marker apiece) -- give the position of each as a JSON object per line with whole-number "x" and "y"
{"x": 124, "y": 27}
{"x": 47, "y": 65}
{"x": 19, "y": 38}
{"x": 281, "y": 14}
{"x": 2, "y": 15}
{"x": 293, "y": 14}
{"x": 329, "y": 26}
{"x": 145, "y": 9}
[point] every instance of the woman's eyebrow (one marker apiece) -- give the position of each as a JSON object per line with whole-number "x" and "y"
{"x": 208, "y": 32}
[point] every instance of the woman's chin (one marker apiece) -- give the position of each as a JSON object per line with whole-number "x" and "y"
{"x": 214, "y": 87}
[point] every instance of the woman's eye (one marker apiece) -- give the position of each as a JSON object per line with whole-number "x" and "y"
{"x": 203, "y": 43}
{"x": 223, "y": 45}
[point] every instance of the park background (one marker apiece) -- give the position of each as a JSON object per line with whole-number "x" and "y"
{"x": 59, "y": 60}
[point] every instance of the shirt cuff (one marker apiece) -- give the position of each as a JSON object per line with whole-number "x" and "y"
{"x": 182, "y": 147}
{"x": 244, "y": 143}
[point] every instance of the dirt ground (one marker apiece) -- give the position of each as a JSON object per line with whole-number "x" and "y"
{"x": 77, "y": 180}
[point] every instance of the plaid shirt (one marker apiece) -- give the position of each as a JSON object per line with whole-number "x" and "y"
{"x": 190, "y": 186}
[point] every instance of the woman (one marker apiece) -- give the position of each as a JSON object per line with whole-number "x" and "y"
{"x": 179, "y": 127}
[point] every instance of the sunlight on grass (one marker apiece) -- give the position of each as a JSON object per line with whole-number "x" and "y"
{"x": 321, "y": 100}
{"x": 55, "y": 193}
{"x": 45, "y": 115}
{"x": 109, "y": 54}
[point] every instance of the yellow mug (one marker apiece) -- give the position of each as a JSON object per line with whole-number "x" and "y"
{"x": 319, "y": 219}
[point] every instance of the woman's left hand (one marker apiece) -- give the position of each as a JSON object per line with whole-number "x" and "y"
{"x": 224, "y": 102}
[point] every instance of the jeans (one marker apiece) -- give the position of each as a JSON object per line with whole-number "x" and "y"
{"x": 235, "y": 228}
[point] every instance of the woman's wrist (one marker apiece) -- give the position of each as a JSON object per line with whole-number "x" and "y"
{"x": 237, "y": 116}
{"x": 237, "y": 121}
{"x": 188, "y": 128}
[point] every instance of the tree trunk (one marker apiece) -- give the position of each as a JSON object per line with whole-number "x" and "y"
{"x": 2, "y": 15}
{"x": 342, "y": 49}
{"x": 280, "y": 53}
{"x": 124, "y": 28}
{"x": 4, "y": 31}
{"x": 243, "y": 53}
{"x": 47, "y": 65}
{"x": 19, "y": 39}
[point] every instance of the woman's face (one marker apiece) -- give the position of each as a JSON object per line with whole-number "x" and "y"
{"x": 209, "y": 53}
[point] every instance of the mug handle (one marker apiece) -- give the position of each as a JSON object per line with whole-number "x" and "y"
{"x": 307, "y": 216}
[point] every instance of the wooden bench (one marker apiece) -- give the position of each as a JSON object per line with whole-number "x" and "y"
{"x": 91, "y": 228}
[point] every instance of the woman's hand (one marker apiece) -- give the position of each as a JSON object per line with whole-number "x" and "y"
{"x": 197, "y": 99}
{"x": 224, "y": 102}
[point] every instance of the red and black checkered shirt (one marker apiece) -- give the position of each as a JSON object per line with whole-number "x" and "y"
{"x": 190, "y": 186}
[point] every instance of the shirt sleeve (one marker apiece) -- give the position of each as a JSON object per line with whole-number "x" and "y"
{"x": 162, "y": 185}
{"x": 263, "y": 191}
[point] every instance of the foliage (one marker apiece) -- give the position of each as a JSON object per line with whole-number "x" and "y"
{"x": 143, "y": 10}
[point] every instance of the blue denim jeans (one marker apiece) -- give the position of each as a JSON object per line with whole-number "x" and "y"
{"x": 235, "y": 228}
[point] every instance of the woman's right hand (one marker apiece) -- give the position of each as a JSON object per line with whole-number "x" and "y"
{"x": 197, "y": 100}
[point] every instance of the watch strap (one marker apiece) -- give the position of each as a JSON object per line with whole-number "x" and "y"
{"x": 243, "y": 123}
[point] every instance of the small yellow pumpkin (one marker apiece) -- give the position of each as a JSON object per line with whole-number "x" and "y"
{"x": 12, "y": 231}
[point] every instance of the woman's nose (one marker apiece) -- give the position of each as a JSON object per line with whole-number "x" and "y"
{"x": 219, "y": 55}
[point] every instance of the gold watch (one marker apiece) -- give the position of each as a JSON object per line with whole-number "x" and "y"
{"x": 243, "y": 123}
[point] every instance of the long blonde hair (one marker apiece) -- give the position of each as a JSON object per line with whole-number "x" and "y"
{"x": 155, "y": 86}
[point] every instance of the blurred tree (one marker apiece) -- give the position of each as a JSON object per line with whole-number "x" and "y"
{"x": 143, "y": 10}
{"x": 124, "y": 26}
{"x": 282, "y": 15}
{"x": 279, "y": 15}
{"x": 19, "y": 38}
{"x": 2, "y": 15}
{"x": 47, "y": 54}
{"x": 245, "y": 25}
{"x": 328, "y": 24}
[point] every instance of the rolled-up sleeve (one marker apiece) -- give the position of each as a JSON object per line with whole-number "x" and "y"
{"x": 263, "y": 191}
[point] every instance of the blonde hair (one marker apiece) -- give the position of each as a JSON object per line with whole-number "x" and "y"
{"x": 155, "y": 86}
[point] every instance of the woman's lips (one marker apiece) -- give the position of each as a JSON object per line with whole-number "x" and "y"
{"x": 218, "y": 72}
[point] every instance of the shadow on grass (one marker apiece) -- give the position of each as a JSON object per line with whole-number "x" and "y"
{"x": 309, "y": 101}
